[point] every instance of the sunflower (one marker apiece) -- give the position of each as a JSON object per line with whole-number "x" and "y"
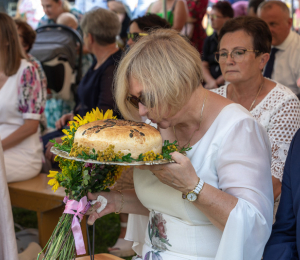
{"x": 92, "y": 116}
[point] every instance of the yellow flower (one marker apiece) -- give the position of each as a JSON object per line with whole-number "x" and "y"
{"x": 54, "y": 183}
{"x": 52, "y": 174}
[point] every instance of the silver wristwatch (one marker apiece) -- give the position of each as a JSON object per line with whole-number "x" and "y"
{"x": 193, "y": 195}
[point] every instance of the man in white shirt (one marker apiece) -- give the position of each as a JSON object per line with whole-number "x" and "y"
{"x": 284, "y": 63}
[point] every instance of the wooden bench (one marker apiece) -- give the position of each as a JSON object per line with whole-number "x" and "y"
{"x": 100, "y": 257}
{"x": 35, "y": 194}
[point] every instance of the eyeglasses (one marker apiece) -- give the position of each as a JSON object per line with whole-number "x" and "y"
{"x": 237, "y": 55}
{"x": 135, "y": 36}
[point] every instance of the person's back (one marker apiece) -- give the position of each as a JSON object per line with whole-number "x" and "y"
{"x": 284, "y": 65}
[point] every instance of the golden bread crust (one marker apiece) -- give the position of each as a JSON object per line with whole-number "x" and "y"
{"x": 127, "y": 137}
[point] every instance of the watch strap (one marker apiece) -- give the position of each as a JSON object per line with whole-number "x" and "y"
{"x": 196, "y": 190}
{"x": 199, "y": 187}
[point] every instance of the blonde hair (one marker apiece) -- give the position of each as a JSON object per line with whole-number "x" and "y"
{"x": 65, "y": 5}
{"x": 10, "y": 48}
{"x": 167, "y": 67}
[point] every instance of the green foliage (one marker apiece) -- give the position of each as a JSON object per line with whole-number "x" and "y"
{"x": 167, "y": 149}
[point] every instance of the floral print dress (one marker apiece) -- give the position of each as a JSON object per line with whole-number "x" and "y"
{"x": 22, "y": 97}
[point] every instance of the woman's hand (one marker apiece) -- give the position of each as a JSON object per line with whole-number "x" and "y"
{"x": 111, "y": 197}
{"x": 180, "y": 175}
{"x": 60, "y": 123}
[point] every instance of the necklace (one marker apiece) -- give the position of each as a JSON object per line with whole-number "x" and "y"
{"x": 188, "y": 142}
{"x": 261, "y": 86}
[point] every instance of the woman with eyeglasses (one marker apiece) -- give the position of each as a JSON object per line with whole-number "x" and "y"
{"x": 244, "y": 47}
{"x": 217, "y": 201}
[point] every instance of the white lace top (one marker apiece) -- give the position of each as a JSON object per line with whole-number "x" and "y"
{"x": 279, "y": 113}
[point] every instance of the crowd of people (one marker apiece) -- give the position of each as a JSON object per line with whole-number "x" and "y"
{"x": 232, "y": 96}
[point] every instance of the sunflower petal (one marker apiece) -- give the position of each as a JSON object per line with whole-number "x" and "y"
{"x": 52, "y": 174}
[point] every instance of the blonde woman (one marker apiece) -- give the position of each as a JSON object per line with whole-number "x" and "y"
{"x": 217, "y": 198}
{"x": 54, "y": 8}
{"x": 22, "y": 101}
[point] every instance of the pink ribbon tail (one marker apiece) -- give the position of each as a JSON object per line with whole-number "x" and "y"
{"x": 75, "y": 208}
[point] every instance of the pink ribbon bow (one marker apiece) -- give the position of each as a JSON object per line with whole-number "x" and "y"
{"x": 75, "y": 208}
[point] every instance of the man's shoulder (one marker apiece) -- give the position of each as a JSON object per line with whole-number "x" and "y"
{"x": 294, "y": 43}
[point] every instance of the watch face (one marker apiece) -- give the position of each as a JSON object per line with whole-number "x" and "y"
{"x": 192, "y": 196}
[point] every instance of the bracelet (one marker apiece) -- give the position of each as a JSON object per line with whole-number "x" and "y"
{"x": 122, "y": 203}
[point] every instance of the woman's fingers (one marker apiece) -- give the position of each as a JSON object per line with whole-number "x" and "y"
{"x": 93, "y": 196}
{"x": 179, "y": 158}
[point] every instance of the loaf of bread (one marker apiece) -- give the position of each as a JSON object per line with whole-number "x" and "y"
{"x": 126, "y": 136}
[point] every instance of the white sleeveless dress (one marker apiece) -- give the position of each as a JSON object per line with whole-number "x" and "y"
{"x": 235, "y": 156}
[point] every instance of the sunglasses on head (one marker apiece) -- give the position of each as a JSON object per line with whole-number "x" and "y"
{"x": 135, "y": 36}
{"x": 133, "y": 100}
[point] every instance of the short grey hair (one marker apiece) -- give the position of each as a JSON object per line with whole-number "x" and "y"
{"x": 270, "y": 4}
{"x": 102, "y": 24}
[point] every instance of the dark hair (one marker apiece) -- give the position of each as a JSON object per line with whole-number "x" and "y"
{"x": 255, "y": 27}
{"x": 150, "y": 22}
{"x": 254, "y": 4}
{"x": 28, "y": 34}
{"x": 224, "y": 8}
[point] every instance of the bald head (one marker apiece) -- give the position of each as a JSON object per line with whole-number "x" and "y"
{"x": 270, "y": 4}
{"x": 277, "y": 15}
{"x": 68, "y": 19}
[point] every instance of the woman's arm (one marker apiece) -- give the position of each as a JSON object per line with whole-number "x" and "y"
{"x": 129, "y": 204}
{"x": 29, "y": 127}
{"x": 276, "y": 187}
{"x": 242, "y": 164}
{"x": 281, "y": 136}
{"x": 31, "y": 101}
{"x": 215, "y": 204}
{"x": 180, "y": 16}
